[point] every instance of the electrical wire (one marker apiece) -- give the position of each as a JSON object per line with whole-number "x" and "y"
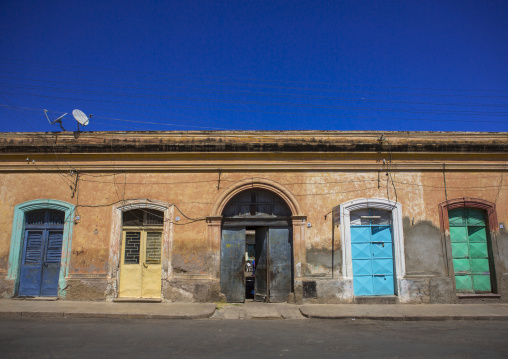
{"x": 236, "y": 102}
{"x": 252, "y": 93}
{"x": 60, "y": 67}
{"x": 283, "y": 113}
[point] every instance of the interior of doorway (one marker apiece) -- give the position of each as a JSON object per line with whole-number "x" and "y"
{"x": 259, "y": 273}
{"x": 250, "y": 262}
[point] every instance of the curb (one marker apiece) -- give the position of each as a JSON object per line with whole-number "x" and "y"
{"x": 104, "y": 315}
{"x": 409, "y": 317}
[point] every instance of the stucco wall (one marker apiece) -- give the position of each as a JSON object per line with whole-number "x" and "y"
{"x": 317, "y": 181}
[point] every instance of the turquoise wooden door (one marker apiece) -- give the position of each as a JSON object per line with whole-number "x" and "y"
{"x": 470, "y": 251}
{"x": 372, "y": 252}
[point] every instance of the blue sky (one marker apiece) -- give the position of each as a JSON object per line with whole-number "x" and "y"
{"x": 255, "y": 65}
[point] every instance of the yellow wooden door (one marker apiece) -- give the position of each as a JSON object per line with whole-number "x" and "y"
{"x": 152, "y": 267}
{"x": 140, "y": 267}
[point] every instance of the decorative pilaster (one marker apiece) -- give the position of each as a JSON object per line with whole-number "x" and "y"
{"x": 299, "y": 245}
{"x": 214, "y": 224}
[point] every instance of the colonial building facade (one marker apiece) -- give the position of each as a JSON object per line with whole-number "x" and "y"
{"x": 298, "y": 216}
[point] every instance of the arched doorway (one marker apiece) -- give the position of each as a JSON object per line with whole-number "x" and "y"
{"x": 42, "y": 252}
{"x": 141, "y": 256}
{"x": 41, "y": 247}
{"x": 143, "y": 216}
{"x": 373, "y": 246}
{"x": 256, "y": 251}
{"x": 469, "y": 226}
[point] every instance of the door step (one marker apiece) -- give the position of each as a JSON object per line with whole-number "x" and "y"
{"x": 479, "y": 296}
{"x": 392, "y": 299}
{"x": 137, "y": 300}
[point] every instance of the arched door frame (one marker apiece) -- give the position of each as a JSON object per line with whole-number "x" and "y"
{"x": 298, "y": 220}
{"x": 398, "y": 237}
{"x": 493, "y": 229}
{"x": 18, "y": 235}
{"x": 116, "y": 236}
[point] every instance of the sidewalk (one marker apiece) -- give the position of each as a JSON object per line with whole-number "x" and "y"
{"x": 75, "y": 309}
{"x": 251, "y": 310}
{"x": 407, "y": 311}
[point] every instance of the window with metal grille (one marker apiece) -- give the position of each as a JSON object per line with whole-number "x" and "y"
{"x": 153, "y": 247}
{"x": 44, "y": 217}
{"x": 132, "y": 247}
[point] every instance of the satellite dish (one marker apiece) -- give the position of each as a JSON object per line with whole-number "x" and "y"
{"x": 80, "y": 116}
{"x": 58, "y": 120}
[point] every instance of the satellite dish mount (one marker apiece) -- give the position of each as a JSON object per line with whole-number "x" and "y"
{"x": 58, "y": 120}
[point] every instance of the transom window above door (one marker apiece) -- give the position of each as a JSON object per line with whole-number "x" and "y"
{"x": 143, "y": 217}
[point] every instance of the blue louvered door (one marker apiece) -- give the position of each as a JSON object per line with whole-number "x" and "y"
{"x": 372, "y": 252}
{"x": 51, "y": 263}
{"x": 42, "y": 252}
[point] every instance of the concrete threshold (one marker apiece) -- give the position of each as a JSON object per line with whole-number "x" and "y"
{"x": 137, "y": 300}
{"x": 258, "y": 310}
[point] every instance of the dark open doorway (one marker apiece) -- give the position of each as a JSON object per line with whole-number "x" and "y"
{"x": 256, "y": 248}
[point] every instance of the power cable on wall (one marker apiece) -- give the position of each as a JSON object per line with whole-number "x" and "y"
{"x": 302, "y": 183}
{"x": 500, "y": 185}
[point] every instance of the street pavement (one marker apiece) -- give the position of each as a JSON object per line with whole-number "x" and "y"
{"x": 251, "y": 310}
{"x": 40, "y": 337}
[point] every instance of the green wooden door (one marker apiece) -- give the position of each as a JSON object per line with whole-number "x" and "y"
{"x": 470, "y": 250}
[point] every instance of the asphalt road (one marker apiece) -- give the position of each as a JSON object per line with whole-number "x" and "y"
{"x": 107, "y": 338}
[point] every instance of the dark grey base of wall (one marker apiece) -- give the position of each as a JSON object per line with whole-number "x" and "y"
{"x": 426, "y": 290}
{"x": 377, "y": 300}
{"x": 87, "y": 289}
{"x": 327, "y": 291}
{"x": 442, "y": 290}
{"x": 503, "y": 290}
{"x": 181, "y": 290}
{"x": 6, "y": 288}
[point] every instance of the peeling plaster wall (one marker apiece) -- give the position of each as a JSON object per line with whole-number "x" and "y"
{"x": 424, "y": 249}
{"x": 318, "y": 181}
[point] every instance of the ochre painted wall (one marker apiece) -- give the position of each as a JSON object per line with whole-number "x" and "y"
{"x": 318, "y": 181}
